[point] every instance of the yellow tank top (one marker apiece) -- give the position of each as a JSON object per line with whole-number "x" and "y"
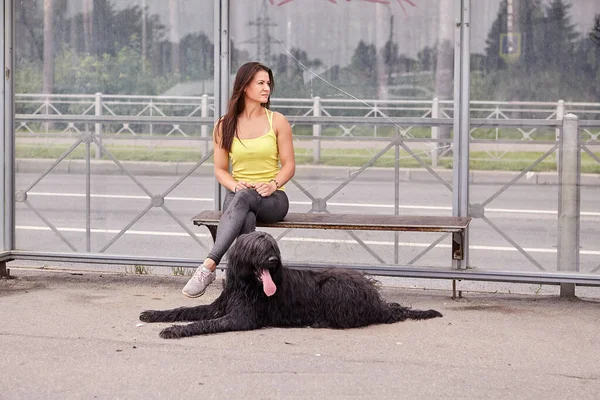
{"x": 256, "y": 160}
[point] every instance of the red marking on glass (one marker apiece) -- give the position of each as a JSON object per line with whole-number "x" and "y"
{"x": 400, "y": 2}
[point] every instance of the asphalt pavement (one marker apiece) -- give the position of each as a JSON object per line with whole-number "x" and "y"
{"x": 108, "y": 167}
{"x": 76, "y": 335}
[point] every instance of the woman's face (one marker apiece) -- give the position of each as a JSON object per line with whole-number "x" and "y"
{"x": 259, "y": 89}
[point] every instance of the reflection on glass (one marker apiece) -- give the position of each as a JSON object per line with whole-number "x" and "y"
{"x": 525, "y": 50}
{"x": 142, "y": 47}
{"x": 363, "y": 49}
{"x": 129, "y": 59}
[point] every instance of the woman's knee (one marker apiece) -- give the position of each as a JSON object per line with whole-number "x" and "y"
{"x": 246, "y": 195}
{"x": 275, "y": 210}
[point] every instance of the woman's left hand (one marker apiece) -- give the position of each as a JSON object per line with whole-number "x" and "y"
{"x": 265, "y": 189}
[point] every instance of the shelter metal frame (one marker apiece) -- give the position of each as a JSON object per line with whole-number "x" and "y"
{"x": 461, "y": 122}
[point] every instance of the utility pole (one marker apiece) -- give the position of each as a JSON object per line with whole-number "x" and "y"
{"x": 391, "y": 42}
{"x": 263, "y": 38}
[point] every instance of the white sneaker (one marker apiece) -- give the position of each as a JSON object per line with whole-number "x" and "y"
{"x": 198, "y": 283}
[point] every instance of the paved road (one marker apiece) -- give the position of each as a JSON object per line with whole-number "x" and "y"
{"x": 66, "y": 336}
{"x": 525, "y": 214}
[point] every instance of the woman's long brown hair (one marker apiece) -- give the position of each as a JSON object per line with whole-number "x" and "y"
{"x": 236, "y": 105}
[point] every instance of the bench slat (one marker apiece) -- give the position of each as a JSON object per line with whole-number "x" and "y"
{"x": 354, "y": 222}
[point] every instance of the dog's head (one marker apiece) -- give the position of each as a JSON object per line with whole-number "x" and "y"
{"x": 255, "y": 259}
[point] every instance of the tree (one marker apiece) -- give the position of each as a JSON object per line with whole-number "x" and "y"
{"x": 48, "y": 60}
{"x": 391, "y": 59}
{"x": 560, "y": 36}
{"x": 587, "y": 54}
{"x": 80, "y": 54}
{"x": 292, "y": 67}
{"x": 529, "y": 25}
{"x": 493, "y": 61}
{"x": 197, "y": 53}
{"x": 426, "y": 58}
{"x": 444, "y": 68}
{"x": 363, "y": 62}
{"x": 547, "y": 59}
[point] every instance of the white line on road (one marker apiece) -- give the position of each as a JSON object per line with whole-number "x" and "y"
{"x": 306, "y": 240}
{"x": 130, "y": 232}
{"x": 117, "y": 196}
{"x": 361, "y": 205}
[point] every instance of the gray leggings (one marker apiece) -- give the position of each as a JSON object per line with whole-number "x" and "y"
{"x": 241, "y": 211}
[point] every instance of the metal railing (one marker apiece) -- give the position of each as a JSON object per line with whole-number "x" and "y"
{"x": 160, "y": 116}
{"x": 192, "y": 116}
{"x": 165, "y": 107}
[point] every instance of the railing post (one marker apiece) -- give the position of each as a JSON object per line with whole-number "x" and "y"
{"x": 47, "y": 110}
{"x": 98, "y": 125}
{"x": 204, "y": 128}
{"x": 375, "y": 112}
{"x": 316, "y": 131}
{"x": 151, "y": 109}
{"x": 569, "y": 201}
{"x": 560, "y": 114}
{"x": 435, "y": 131}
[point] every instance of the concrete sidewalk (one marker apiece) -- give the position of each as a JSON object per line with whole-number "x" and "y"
{"x": 74, "y": 335}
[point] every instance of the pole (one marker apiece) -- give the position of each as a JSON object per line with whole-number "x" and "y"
{"x": 569, "y": 202}
{"x": 316, "y": 131}
{"x": 97, "y": 125}
{"x": 204, "y": 128}
{"x": 460, "y": 187}
{"x": 435, "y": 132}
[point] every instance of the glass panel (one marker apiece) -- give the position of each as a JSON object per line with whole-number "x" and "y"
{"x": 145, "y": 67}
{"x": 526, "y": 50}
{"x": 531, "y": 60}
{"x": 359, "y": 59}
{"x": 590, "y": 193}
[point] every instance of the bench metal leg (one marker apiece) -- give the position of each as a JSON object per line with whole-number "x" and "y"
{"x": 458, "y": 241}
{"x": 567, "y": 290}
{"x": 213, "y": 231}
{"x": 4, "y": 272}
{"x": 454, "y": 296}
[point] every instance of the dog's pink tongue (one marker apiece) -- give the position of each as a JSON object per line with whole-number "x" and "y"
{"x": 268, "y": 284}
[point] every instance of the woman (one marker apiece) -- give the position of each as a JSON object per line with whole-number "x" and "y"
{"x": 258, "y": 144}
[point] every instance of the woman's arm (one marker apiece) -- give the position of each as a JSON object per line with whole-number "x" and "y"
{"x": 285, "y": 143}
{"x": 221, "y": 162}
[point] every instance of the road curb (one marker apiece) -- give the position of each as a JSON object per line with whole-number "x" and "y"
{"x": 107, "y": 167}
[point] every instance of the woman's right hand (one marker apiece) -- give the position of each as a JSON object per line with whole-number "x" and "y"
{"x": 242, "y": 185}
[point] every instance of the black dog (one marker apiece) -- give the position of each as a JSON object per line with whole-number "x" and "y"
{"x": 260, "y": 292}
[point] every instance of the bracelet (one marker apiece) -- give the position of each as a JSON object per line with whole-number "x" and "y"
{"x": 276, "y": 183}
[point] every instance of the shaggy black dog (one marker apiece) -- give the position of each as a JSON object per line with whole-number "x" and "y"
{"x": 260, "y": 292}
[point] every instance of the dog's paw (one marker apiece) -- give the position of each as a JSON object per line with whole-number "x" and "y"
{"x": 173, "y": 332}
{"x": 427, "y": 314}
{"x": 149, "y": 316}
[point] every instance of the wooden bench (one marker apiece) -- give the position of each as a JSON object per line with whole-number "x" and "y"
{"x": 360, "y": 222}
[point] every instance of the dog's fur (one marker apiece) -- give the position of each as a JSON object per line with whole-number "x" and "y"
{"x": 330, "y": 298}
